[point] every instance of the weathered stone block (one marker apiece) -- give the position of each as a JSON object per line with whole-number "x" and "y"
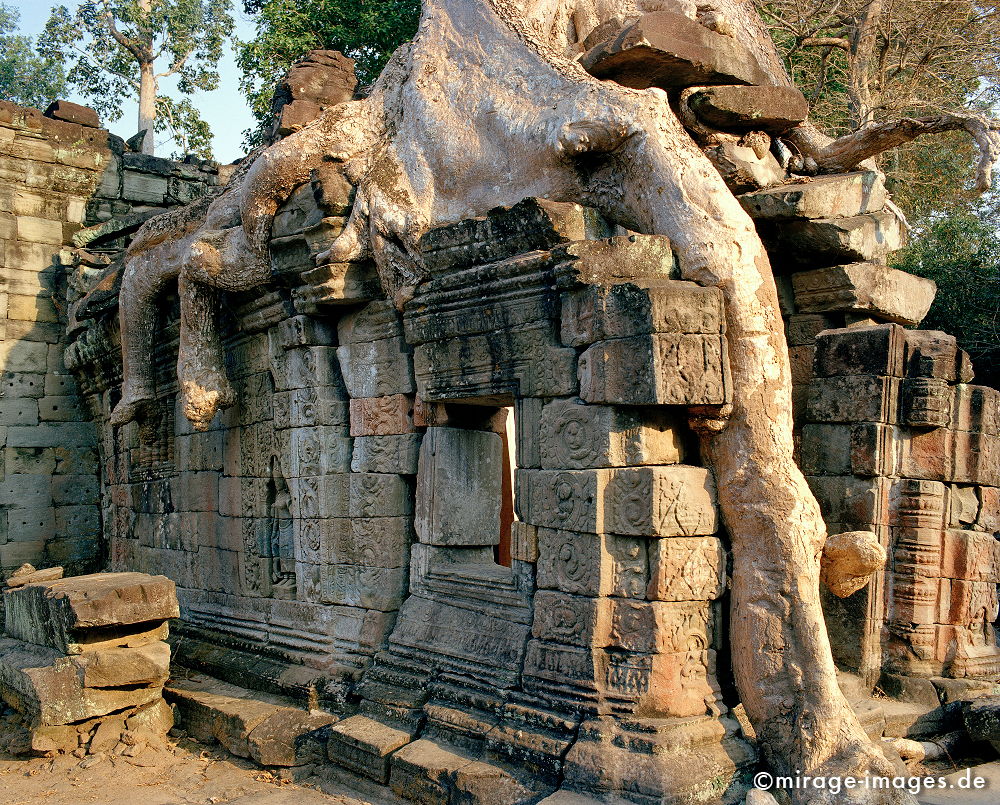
{"x": 665, "y": 49}
{"x": 396, "y": 453}
{"x": 665, "y": 626}
{"x": 307, "y": 407}
{"x": 337, "y": 284}
{"x": 382, "y": 416}
{"x": 318, "y": 451}
{"x": 375, "y": 542}
{"x": 459, "y": 487}
{"x": 592, "y": 564}
{"x": 290, "y": 738}
{"x": 666, "y": 501}
{"x": 363, "y": 744}
{"x": 658, "y": 369}
{"x": 852, "y": 398}
{"x": 61, "y": 613}
{"x": 73, "y": 113}
{"x": 304, "y": 367}
{"x": 377, "y": 368}
{"x": 523, "y": 542}
{"x": 867, "y": 287}
{"x": 39, "y": 230}
{"x": 687, "y": 569}
{"x": 577, "y": 436}
{"x": 599, "y": 313}
{"x": 875, "y": 350}
{"x": 321, "y": 496}
{"x": 861, "y": 238}
{"x": 379, "y": 495}
{"x": 767, "y": 108}
{"x": 841, "y": 196}
{"x": 572, "y": 620}
{"x": 143, "y": 187}
{"x": 46, "y": 686}
{"x": 305, "y": 331}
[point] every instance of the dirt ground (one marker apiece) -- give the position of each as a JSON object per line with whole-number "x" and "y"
{"x": 188, "y": 772}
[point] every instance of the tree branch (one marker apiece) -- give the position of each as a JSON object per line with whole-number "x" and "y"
{"x": 129, "y": 44}
{"x": 826, "y": 42}
{"x": 175, "y": 67}
{"x": 847, "y": 152}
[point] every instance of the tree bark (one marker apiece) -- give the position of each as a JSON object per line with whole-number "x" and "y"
{"x": 147, "y": 105}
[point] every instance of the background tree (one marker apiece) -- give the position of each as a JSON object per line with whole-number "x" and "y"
{"x": 903, "y": 67}
{"x": 366, "y": 31}
{"x": 26, "y": 78}
{"x": 117, "y": 47}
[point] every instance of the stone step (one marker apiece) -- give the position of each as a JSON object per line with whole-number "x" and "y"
{"x": 250, "y": 724}
{"x": 437, "y": 774}
{"x": 363, "y": 744}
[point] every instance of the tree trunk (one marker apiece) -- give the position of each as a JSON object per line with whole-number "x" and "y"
{"x": 147, "y": 105}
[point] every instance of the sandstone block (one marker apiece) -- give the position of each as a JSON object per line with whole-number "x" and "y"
{"x": 122, "y": 667}
{"x": 337, "y": 284}
{"x": 73, "y": 113}
{"x": 396, "y": 453}
{"x": 523, "y": 542}
{"x": 39, "y": 230}
{"x": 305, "y": 367}
{"x": 363, "y": 744}
{"x": 143, "y": 187}
{"x": 599, "y": 313}
{"x": 377, "y": 321}
{"x": 307, "y": 407}
{"x": 844, "y": 195}
{"x": 666, "y": 501}
{"x": 321, "y": 450}
{"x": 379, "y": 495}
{"x": 592, "y": 564}
{"x": 377, "y": 368}
{"x": 686, "y": 569}
{"x": 884, "y": 292}
{"x": 861, "y": 238}
{"x": 650, "y": 626}
{"x": 459, "y": 487}
{"x": 658, "y": 369}
{"x": 852, "y": 398}
{"x": 772, "y": 109}
{"x": 60, "y": 613}
{"x": 875, "y": 350}
{"x": 382, "y": 416}
{"x": 982, "y": 720}
{"x": 305, "y": 331}
{"x": 743, "y": 167}
{"x": 577, "y": 436}
{"x": 290, "y": 737}
{"x": 665, "y": 49}
{"x": 47, "y": 686}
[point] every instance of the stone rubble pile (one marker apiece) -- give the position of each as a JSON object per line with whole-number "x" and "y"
{"x": 83, "y": 661}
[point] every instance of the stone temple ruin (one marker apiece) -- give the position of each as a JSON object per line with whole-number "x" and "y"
{"x": 461, "y": 536}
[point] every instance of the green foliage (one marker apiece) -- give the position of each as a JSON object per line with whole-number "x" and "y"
{"x": 26, "y": 78}
{"x": 366, "y": 30}
{"x": 109, "y": 42}
{"x": 961, "y": 253}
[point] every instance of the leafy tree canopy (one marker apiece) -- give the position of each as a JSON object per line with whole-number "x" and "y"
{"x": 26, "y": 78}
{"x": 961, "y": 252}
{"x": 121, "y": 49}
{"x": 366, "y": 30}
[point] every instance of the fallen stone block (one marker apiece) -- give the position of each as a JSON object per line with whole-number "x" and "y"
{"x": 47, "y": 687}
{"x": 862, "y": 238}
{"x": 67, "y": 613}
{"x": 26, "y": 574}
{"x": 771, "y": 109}
{"x": 982, "y": 720}
{"x": 73, "y": 113}
{"x": 841, "y": 196}
{"x": 744, "y": 168}
{"x": 664, "y": 49}
{"x": 884, "y": 292}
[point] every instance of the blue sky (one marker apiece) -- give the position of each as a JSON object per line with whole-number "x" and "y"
{"x": 225, "y": 109}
